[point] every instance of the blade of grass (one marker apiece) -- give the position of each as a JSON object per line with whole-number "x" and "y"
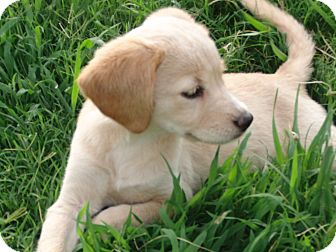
{"x": 87, "y": 43}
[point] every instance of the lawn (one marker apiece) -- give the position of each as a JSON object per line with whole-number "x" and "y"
{"x": 290, "y": 205}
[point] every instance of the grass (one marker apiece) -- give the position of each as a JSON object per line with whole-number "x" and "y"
{"x": 288, "y": 206}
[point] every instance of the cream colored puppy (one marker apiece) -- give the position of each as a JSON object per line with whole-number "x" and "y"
{"x": 159, "y": 91}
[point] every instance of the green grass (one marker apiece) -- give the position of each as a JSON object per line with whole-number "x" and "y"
{"x": 288, "y": 206}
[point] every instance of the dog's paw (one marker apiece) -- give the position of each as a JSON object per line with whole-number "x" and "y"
{"x": 114, "y": 216}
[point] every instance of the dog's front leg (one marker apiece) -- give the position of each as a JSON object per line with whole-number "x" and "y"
{"x": 59, "y": 229}
{"x": 117, "y": 215}
{"x": 82, "y": 183}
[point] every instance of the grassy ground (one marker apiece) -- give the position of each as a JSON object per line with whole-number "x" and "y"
{"x": 290, "y": 206}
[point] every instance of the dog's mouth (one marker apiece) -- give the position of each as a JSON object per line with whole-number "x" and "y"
{"x": 194, "y": 138}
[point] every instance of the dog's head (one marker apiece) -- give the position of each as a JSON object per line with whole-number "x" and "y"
{"x": 166, "y": 73}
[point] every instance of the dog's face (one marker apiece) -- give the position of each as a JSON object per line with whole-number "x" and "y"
{"x": 167, "y": 73}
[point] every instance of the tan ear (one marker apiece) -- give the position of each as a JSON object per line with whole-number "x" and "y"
{"x": 120, "y": 81}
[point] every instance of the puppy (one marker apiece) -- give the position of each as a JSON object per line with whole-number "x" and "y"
{"x": 159, "y": 91}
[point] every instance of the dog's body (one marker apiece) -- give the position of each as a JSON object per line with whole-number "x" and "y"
{"x": 127, "y": 126}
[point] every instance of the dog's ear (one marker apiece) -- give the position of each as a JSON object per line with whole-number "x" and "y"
{"x": 120, "y": 81}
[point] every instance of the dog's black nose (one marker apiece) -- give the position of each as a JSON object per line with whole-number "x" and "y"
{"x": 244, "y": 121}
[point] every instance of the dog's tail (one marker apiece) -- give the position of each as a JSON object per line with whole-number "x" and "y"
{"x": 300, "y": 44}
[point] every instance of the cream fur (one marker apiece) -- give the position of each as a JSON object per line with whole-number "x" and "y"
{"x": 135, "y": 114}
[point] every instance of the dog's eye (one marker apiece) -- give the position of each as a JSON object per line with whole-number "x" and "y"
{"x": 194, "y": 93}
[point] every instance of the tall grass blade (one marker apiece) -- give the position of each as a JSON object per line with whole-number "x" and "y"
{"x": 255, "y": 23}
{"x": 281, "y": 55}
{"x": 277, "y": 145}
{"x": 75, "y": 90}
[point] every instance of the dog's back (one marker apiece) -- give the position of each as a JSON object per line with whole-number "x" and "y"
{"x": 258, "y": 90}
{"x": 301, "y": 48}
